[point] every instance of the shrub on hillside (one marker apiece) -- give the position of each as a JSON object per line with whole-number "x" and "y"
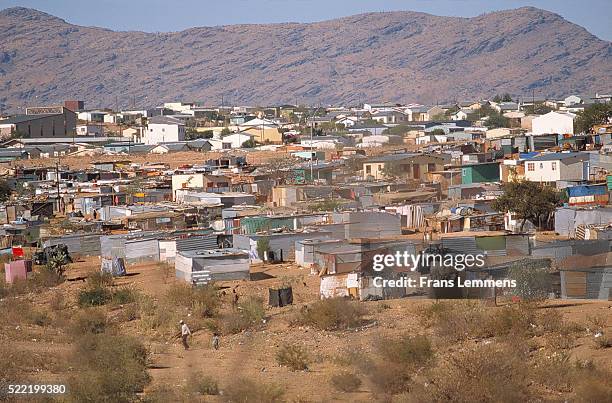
{"x": 94, "y": 296}
{"x": 346, "y": 382}
{"x": 204, "y": 299}
{"x": 293, "y": 356}
{"x": 408, "y": 351}
{"x": 333, "y": 314}
{"x": 89, "y": 321}
{"x": 486, "y": 374}
{"x": 249, "y": 313}
{"x": 203, "y": 385}
{"x": 110, "y": 367}
{"x": 399, "y": 359}
{"x": 245, "y": 390}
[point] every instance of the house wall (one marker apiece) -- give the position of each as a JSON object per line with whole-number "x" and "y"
{"x": 573, "y": 171}
{"x": 568, "y": 219}
{"x": 553, "y": 122}
{"x": 480, "y": 174}
{"x": 588, "y": 284}
{"x": 543, "y": 171}
{"x": 371, "y": 225}
{"x": 61, "y": 125}
{"x": 159, "y": 133}
{"x": 267, "y": 135}
{"x": 195, "y": 181}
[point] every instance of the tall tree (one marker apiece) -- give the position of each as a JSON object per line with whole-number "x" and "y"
{"x": 594, "y": 114}
{"x": 529, "y": 200}
{"x": 5, "y": 191}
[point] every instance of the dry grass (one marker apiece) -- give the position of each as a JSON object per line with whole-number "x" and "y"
{"x": 250, "y": 312}
{"x": 204, "y": 301}
{"x": 90, "y": 320}
{"x": 487, "y": 374}
{"x": 245, "y": 390}
{"x": 333, "y": 314}
{"x": 110, "y": 367}
{"x": 200, "y": 384}
{"x": 346, "y": 382}
{"x": 294, "y": 357}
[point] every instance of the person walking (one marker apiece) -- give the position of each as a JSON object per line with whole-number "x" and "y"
{"x": 215, "y": 341}
{"x": 185, "y": 333}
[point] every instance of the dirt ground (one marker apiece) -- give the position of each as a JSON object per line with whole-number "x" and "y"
{"x": 251, "y": 354}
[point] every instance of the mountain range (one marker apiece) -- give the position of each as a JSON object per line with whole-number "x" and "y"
{"x": 391, "y": 56}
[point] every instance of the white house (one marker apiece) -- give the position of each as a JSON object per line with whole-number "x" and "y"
{"x": 89, "y": 130}
{"x": 572, "y": 100}
{"x": 554, "y": 167}
{"x": 348, "y": 121}
{"x": 163, "y": 129}
{"x": 237, "y": 139}
{"x": 553, "y": 123}
{"x": 219, "y": 144}
{"x": 461, "y": 114}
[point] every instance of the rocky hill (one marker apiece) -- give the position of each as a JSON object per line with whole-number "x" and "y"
{"x": 393, "y": 56}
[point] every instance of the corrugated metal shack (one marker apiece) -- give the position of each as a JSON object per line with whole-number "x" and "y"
{"x": 487, "y": 243}
{"x": 281, "y": 244}
{"x": 78, "y": 244}
{"x": 346, "y": 268}
{"x": 564, "y": 248}
{"x": 371, "y": 224}
{"x": 155, "y": 245}
{"x": 587, "y": 277}
{"x": 200, "y": 267}
{"x": 567, "y": 219}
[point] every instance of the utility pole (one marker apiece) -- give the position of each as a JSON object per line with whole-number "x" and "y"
{"x": 57, "y": 181}
{"x": 311, "y": 148}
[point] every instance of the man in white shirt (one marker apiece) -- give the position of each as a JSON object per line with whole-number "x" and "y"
{"x": 185, "y": 332}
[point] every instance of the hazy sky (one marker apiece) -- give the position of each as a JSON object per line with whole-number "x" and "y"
{"x": 168, "y": 15}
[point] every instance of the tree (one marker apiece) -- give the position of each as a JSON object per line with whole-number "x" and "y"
{"x": 225, "y": 131}
{"x": 503, "y": 98}
{"x": 250, "y": 143}
{"x": 533, "y": 282}
{"x": 496, "y": 120}
{"x": 528, "y": 200}
{"x": 192, "y": 134}
{"x": 263, "y": 246}
{"x": 5, "y": 191}
{"x": 595, "y": 114}
{"x": 438, "y": 132}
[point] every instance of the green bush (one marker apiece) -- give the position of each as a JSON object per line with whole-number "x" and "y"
{"x": 125, "y": 296}
{"x": 94, "y": 297}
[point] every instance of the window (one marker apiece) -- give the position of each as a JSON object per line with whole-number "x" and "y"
{"x": 541, "y": 165}
{"x": 368, "y": 169}
{"x": 531, "y": 166}
{"x": 553, "y": 166}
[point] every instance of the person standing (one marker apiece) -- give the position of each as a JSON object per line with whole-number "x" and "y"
{"x": 215, "y": 341}
{"x": 185, "y": 333}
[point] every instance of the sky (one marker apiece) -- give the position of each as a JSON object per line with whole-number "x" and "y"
{"x": 167, "y": 15}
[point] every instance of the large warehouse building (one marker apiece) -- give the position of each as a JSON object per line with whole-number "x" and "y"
{"x": 40, "y": 122}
